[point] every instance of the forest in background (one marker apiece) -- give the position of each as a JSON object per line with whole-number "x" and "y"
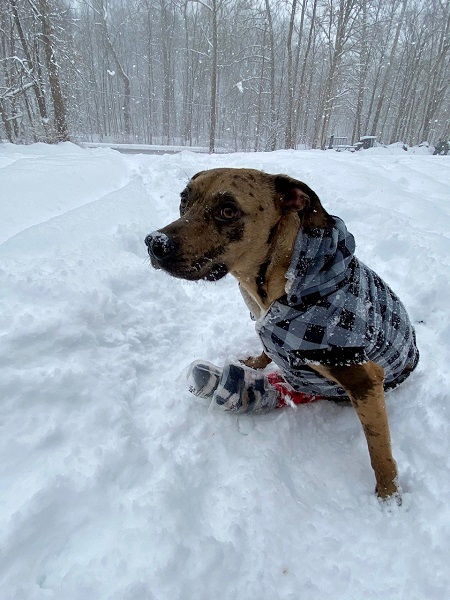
{"x": 225, "y": 74}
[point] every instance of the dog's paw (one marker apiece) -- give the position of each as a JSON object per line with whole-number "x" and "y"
{"x": 391, "y": 504}
{"x": 257, "y": 362}
{"x": 390, "y": 495}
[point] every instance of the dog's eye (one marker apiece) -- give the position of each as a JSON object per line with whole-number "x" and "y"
{"x": 228, "y": 212}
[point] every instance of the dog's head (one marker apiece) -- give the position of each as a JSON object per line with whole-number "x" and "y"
{"x": 228, "y": 221}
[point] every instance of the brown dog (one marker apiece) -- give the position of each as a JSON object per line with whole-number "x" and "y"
{"x": 293, "y": 259}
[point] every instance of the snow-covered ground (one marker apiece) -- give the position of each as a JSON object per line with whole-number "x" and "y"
{"x": 116, "y": 483}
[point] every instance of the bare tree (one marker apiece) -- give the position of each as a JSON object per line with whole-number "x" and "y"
{"x": 214, "y": 50}
{"x": 363, "y": 72}
{"x": 48, "y": 42}
{"x": 439, "y": 77}
{"x": 346, "y": 14}
{"x": 102, "y": 13}
{"x": 37, "y": 84}
{"x": 388, "y": 70}
{"x": 272, "y": 115}
{"x": 301, "y": 98}
{"x": 288, "y": 140}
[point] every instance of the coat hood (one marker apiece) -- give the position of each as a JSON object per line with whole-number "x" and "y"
{"x": 320, "y": 262}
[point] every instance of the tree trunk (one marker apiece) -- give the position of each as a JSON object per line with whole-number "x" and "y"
{"x": 260, "y": 96}
{"x": 39, "y": 94}
{"x": 272, "y": 142}
{"x": 363, "y": 70}
{"x": 288, "y": 141}
{"x": 213, "y": 102}
{"x": 301, "y": 86}
{"x": 59, "y": 105}
{"x": 167, "y": 79}
{"x": 6, "y": 123}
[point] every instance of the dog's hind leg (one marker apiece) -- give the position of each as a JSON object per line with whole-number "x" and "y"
{"x": 364, "y": 385}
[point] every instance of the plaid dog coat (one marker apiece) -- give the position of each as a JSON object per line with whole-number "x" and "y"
{"x": 336, "y": 312}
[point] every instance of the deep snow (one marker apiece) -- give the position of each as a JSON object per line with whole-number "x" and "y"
{"x": 116, "y": 483}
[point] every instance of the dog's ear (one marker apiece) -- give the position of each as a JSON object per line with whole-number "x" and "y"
{"x": 197, "y": 175}
{"x": 296, "y": 196}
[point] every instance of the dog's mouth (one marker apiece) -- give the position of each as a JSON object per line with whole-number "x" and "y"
{"x": 166, "y": 253}
{"x": 211, "y": 272}
{"x": 204, "y": 268}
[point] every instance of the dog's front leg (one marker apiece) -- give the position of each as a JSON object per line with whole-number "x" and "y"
{"x": 257, "y": 362}
{"x": 262, "y": 360}
{"x": 364, "y": 385}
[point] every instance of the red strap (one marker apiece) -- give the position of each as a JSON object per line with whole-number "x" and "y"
{"x": 287, "y": 395}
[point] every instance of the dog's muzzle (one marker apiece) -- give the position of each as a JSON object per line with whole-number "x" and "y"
{"x": 164, "y": 252}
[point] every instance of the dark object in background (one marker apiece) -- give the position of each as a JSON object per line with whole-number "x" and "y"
{"x": 442, "y": 147}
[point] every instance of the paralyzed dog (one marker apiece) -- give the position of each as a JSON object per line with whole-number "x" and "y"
{"x": 332, "y": 326}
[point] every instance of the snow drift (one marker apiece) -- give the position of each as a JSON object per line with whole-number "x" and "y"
{"x": 116, "y": 483}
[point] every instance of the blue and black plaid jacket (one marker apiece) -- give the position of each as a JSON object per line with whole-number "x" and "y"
{"x": 336, "y": 312}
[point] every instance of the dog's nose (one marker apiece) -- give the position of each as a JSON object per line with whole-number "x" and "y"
{"x": 160, "y": 245}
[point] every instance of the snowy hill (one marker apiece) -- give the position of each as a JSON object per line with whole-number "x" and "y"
{"x": 116, "y": 483}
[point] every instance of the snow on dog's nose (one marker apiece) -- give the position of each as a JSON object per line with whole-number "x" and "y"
{"x": 160, "y": 246}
